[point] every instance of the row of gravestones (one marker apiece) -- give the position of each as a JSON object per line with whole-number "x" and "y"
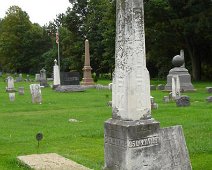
{"x": 35, "y": 90}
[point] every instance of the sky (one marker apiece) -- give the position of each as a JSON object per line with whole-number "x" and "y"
{"x": 39, "y": 11}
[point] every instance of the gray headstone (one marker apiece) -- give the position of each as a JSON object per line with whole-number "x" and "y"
{"x": 182, "y": 72}
{"x": 161, "y": 87}
{"x": 209, "y": 99}
{"x": 152, "y": 87}
{"x": 183, "y": 101}
{"x": 70, "y": 78}
{"x": 138, "y": 145}
{"x": 43, "y": 79}
{"x": 70, "y": 88}
{"x": 166, "y": 99}
{"x": 19, "y": 78}
{"x": 21, "y": 90}
{"x": 10, "y": 84}
{"x": 209, "y": 89}
{"x": 37, "y": 77}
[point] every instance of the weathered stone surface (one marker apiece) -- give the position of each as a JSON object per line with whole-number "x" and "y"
{"x": 209, "y": 99}
{"x": 35, "y": 90}
{"x": 37, "y": 77}
{"x": 10, "y": 85}
{"x": 131, "y": 82}
{"x": 50, "y": 161}
{"x": 166, "y": 99}
{"x": 161, "y": 87}
{"x": 70, "y": 88}
{"x": 183, "y": 101}
{"x": 138, "y": 145}
{"x": 182, "y": 72}
{"x": 209, "y": 89}
{"x": 43, "y": 79}
{"x": 21, "y": 90}
{"x": 12, "y": 97}
{"x": 175, "y": 87}
{"x": 152, "y": 87}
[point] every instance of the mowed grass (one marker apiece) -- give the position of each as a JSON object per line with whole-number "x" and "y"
{"x": 83, "y": 141}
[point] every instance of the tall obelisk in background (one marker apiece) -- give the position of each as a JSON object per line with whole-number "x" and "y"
{"x": 132, "y": 139}
{"x": 87, "y": 77}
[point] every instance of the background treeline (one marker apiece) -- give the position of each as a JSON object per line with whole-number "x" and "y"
{"x": 170, "y": 25}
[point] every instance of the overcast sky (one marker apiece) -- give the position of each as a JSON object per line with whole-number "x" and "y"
{"x": 39, "y": 11}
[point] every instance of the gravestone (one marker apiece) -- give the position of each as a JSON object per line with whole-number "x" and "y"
{"x": 209, "y": 99}
{"x": 166, "y": 99}
{"x": 0, "y": 73}
{"x": 133, "y": 140}
{"x": 209, "y": 89}
{"x": 161, "y": 87}
{"x": 43, "y": 79}
{"x": 27, "y": 78}
{"x": 175, "y": 87}
{"x": 19, "y": 78}
{"x": 35, "y": 91}
{"x": 183, "y": 101}
{"x": 152, "y": 87}
{"x": 56, "y": 71}
{"x": 10, "y": 85}
{"x": 50, "y": 161}
{"x": 70, "y": 78}
{"x": 21, "y": 90}
{"x": 37, "y": 77}
{"x": 182, "y": 72}
{"x": 87, "y": 77}
{"x": 153, "y": 104}
{"x": 12, "y": 97}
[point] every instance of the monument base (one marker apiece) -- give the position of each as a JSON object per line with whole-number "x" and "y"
{"x": 87, "y": 81}
{"x": 185, "y": 79}
{"x": 70, "y": 88}
{"x": 142, "y": 145}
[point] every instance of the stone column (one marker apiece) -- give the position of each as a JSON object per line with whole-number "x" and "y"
{"x": 87, "y": 77}
{"x": 56, "y": 81}
{"x": 133, "y": 140}
{"x": 131, "y": 83}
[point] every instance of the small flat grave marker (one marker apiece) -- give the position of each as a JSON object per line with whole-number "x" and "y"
{"x": 50, "y": 161}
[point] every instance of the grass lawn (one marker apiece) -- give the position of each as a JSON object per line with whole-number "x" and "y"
{"x": 83, "y": 141}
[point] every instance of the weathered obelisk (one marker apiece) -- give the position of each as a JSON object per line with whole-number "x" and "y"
{"x": 133, "y": 140}
{"x": 87, "y": 77}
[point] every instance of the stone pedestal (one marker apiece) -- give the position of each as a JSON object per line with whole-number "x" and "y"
{"x": 87, "y": 77}
{"x": 184, "y": 77}
{"x": 142, "y": 145}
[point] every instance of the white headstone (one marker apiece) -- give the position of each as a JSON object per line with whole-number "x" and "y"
{"x": 56, "y": 81}
{"x": 35, "y": 90}
{"x": 37, "y": 77}
{"x": 10, "y": 83}
{"x": 175, "y": 87}
{"x": 12, "y": 97}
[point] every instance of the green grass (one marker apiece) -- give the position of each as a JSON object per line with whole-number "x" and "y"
{"x": 83, "y": 141}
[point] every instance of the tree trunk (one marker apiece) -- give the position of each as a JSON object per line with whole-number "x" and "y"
{"x": 195, "y": 59}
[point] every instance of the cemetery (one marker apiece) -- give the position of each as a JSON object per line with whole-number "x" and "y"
{"x": 83, "y": 140}
{"x": 101, "y": 106}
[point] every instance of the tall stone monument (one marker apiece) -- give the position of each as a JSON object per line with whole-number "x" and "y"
{"x": 87, "y": 78}
{"x": 56, "y": 81}
{"x": 182, "y": 72}
{"x": 175, "y": 87}
{"x": 133, "y": 139}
